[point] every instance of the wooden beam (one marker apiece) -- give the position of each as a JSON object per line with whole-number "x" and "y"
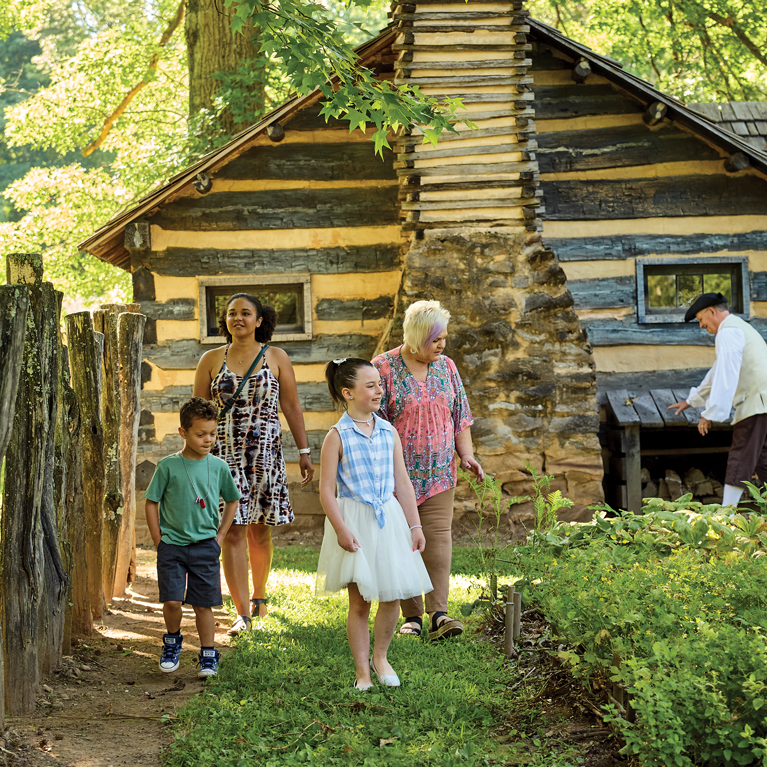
{"x": 603, "y": 292}
{"x": 618, "y": 147}
{"x": 663, "y": 398}
{"x": 571, "y": 100}
{"x": 632, "y": 467}
{"x": 623, "y": 407}
{"x": 280, "y": 209}
{"x": 650, "y": 379}
{"x": 673, "y": 196}
{"x": 629, "y": 332}
{"x": 654, "y": 114}
{"x": 646, "y": 409}
{"x": 581, "y": 71}
{"x": 622, "y": 247}
{"x": 737, "y": 162}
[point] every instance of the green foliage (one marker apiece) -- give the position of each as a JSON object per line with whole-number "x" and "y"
{"x": 284, "y": 695}
{"x": 696, "y": 50}
{"x": 678, "y": 596}
{"x": 315, "y": 55}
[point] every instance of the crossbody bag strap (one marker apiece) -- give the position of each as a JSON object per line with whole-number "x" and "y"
{"x": 224, "y": 410}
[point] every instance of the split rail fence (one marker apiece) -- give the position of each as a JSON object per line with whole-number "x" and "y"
{"x": 69, "y": 413}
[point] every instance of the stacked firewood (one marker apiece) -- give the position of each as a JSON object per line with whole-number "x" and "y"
{"x": 670, "y": 486}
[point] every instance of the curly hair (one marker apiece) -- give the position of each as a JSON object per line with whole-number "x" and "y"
{"x": 267, "y": 313}
{"x": 197, "y": 408}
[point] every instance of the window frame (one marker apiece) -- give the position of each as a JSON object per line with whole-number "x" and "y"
{"x": 239, "y": 281}
{"x": 645, "y": 317}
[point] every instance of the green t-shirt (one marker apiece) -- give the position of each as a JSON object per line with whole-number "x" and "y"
{"x": 182, "y": 519}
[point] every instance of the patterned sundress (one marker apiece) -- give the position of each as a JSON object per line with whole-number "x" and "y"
{"x": 250, "y": 441}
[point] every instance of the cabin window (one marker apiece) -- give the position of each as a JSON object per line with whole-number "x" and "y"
{"x": 290, "y": 295}
{"x": 666, "y": 288}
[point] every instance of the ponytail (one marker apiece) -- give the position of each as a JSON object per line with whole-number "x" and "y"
{"x": 342, "y": 374}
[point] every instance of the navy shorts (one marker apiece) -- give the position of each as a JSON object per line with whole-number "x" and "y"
{"x": 190, "y": 574}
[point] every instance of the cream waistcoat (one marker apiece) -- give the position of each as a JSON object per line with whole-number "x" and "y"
{"x": 751, "y": 393}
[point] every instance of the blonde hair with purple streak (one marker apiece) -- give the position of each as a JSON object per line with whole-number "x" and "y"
{"x": 424, "y": 321}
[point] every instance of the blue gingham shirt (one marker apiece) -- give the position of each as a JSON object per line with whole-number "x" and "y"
{"x": 366, "y": 470}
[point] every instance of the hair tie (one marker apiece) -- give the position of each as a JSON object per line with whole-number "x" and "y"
{"x": 341, "y": 361}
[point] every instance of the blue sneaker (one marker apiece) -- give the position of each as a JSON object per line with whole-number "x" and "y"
{"x": 171, "y": 650}
{"x": 208, "y": 663}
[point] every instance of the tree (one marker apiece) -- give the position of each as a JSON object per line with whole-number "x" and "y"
{"x": 696, "y": 50}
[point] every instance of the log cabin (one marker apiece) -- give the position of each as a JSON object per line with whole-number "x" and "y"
{"x": 564, "y": 225}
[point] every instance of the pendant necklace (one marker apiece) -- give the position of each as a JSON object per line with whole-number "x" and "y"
{"x": 197, "y": 499}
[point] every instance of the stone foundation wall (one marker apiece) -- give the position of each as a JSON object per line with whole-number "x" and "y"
{"x": 524, "y": 359}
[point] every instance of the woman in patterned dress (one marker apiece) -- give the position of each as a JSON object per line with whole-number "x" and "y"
{"x": 425, "y": 401}
{"x": 250, "y": 441}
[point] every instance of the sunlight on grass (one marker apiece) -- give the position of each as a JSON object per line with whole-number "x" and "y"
{"x": 285, "y": 696}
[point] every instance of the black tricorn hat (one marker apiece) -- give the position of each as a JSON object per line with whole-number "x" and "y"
{"x": 703, "y": 301}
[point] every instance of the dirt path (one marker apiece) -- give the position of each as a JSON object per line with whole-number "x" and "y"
{"x": 104, "y": 707}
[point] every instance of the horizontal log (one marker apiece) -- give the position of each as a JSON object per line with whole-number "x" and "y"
{"x": 622, "y": 247}
{"x": 652, "y": 379}
{"x": 516, "y": 5}
{"x": 670, "y": 196}
{"x": 515, "y": 223}
{"x": 314, "y": 397}
{"x": 458, "y": 47}
{"x": 629, "y": 331}
{"x": 519, "y": 16}
{"x": 508, "y": 130}
{"x": 354, "y": 309}
{"x": 467, "y": 27}
{"x": 603, "y": 292}
{"x": 458, "y": 65}
{"x": 579, "y": 100}
{"x": 467, "y": 185}
{"x": 758, "y": 282}
{"x": 467, "y": 170}
{"x": 618, "y": 147}
{"x": 469, "y": 202}
{"x": 481, "y": 81}
{"x": 340, "y": 260}
{"x": 545, "y": 60}
{"x": 318, "y": 162}
{"x": 173, "y": 309}
{"x": 281, "y": 209}
{"x": 466, "y": 151}
{"x": 186, "y": 353}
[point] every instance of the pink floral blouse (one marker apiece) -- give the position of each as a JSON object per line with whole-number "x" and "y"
{"x": 427, "y": 416}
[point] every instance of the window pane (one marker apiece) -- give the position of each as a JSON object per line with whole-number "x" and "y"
{"x": 661, "y": 291}
{"x": 689, "y": 287}
{"x": 287, "y": 300}
{"x": 718, "y": 283}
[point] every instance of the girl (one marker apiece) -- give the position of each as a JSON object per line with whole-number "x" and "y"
{"x": 367, "y": 546}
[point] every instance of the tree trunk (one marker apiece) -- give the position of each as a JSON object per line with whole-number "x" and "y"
{"x": 85, "y": 367}
{"x": 105, "y": 321}
{"x": 29, "y": 536}
{"x": 130, "y": 334}
{"x": 214, "y": 50}
{"x": 14, "y": 305}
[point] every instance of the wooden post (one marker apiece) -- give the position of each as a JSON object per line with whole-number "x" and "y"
{"x": 130, "y": 334}
{"x": 14, "y": 305}
{"x": 30, "y": 553}
{"x": 508, "y": 636}
{"x": 84, "y": 361}
{"x": 632, "y": 467}
{"x": 737, "y": 162}
{"x": 581, "y": 71}
{"x": 517, "y": 614}
{"x": 105, "y": 321}
{"x": 654, "y": 114}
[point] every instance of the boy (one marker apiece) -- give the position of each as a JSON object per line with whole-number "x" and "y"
{"x": 182, "y": 515}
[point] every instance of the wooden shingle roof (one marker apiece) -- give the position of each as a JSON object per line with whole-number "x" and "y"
{"x": 747, "y": 119}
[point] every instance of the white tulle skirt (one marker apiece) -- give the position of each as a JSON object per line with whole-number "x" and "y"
{"x": 385, "y": 568}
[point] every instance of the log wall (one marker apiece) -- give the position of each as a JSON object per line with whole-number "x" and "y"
{"x": 615, "y": 190}
{"x": 318, "y": 202}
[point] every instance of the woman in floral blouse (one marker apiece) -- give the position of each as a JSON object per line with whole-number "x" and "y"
{"x": 425, "y": 401}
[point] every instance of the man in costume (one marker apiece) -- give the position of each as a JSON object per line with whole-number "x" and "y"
{"x": 738, "y": 378}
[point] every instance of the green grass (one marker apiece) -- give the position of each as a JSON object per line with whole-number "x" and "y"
{"x": 285, "y": 697}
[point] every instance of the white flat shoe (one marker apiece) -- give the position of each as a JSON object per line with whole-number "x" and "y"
{"x": 388, "y": 680}
{"x": 241, "y": 624}
{"x": 361, "y": 687}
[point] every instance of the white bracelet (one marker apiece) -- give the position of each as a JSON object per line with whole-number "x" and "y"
{"x": 416, "y": 526}
{"x": 304, "y": 451}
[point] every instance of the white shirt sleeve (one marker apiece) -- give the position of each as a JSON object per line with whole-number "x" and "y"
{"x": 717, "y": 390}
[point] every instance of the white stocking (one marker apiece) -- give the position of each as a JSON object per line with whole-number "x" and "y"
{"x": 731, "y": 495}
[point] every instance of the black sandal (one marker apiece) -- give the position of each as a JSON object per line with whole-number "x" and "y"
{"x": 255, "y": 610}
{"x": 409, "y": 629}
{"x": 443, "y": 626}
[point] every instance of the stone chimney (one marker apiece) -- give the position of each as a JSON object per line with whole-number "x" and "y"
{"x": 472, "y": 208}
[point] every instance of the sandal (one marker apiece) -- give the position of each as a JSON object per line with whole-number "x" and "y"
{"x": 443, "y": 626}
{"x": 255, "y": 610}
{"x": 411, "y": 627}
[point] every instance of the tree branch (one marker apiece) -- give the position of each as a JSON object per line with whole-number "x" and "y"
{"x": 729, "y": 23}
{"x": 129, "y": 96}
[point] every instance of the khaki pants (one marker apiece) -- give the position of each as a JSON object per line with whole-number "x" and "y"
{"x": 437, "y": 519}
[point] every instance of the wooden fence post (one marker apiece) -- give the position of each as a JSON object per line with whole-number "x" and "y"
{"x": 14, "y": 305}
{"x": 130, "y": 336}
{"x": 105, "y": 321}
{"x": 33, "y": 576}
{"x": 508, "y": 636}
{"x": 85, "y": 365}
